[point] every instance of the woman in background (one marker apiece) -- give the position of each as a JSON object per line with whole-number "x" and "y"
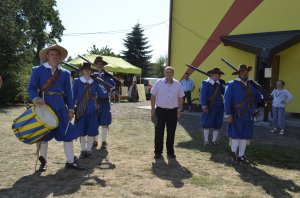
{"x": 281, "y": 97}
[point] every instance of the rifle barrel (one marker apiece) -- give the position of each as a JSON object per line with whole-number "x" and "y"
{"x": 195, "y": 68}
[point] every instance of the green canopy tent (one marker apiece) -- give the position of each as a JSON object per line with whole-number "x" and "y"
{"x": 115, "y": 64}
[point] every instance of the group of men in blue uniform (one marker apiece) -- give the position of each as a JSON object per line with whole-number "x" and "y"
{"x": 237, "y": 99}
{"x": 50, "y": 84}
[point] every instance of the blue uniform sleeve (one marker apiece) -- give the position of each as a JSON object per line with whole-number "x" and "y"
{"x": 228, "y": 99}
{"x": 111, "y": 82}
{"x": 258, "y": 97}
{"x": 204, "y": 94}
{"x": 33, "y": 84}
{"x": 75, "y": 90}
{"x": 68, "y": 91}
{"x": 222, "y": 89}
{"x": 101, "y": 92}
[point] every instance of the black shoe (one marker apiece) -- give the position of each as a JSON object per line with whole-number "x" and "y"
{"x": 233, "y": 157}
{"x": 88, "y": 154}
{"x": 95, "y": 144}
{"x": 172, "y": 156}
{"x": 82, "y": 155}
{"x": 214, "y": 143}
{"x": 157, "y": 156}
{"x": 73, "y": 166}
{"x": 243, "y": 160}
{"x": 104, "y": 145}
{"x": 43, "y": 166}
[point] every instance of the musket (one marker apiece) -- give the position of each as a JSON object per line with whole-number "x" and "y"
{"x": 229, "y": 64}
{"x": 95, "y": 78}
{"x": 205, "y": 73}
{"x": 118, "y": 83}
{"x": 198, "y": 70}
{"x": 257, "y": 86}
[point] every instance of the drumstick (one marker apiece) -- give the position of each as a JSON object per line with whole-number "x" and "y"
{"x": 44, "y": 100}
{"x": 67, "y": 128}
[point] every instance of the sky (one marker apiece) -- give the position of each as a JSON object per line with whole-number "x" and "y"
{"x": 106, "y": 22}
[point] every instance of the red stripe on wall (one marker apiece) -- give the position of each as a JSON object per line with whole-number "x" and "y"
{"x": 238, "y": 11}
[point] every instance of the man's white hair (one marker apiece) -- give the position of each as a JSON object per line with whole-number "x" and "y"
{"x": 169, "y": 67}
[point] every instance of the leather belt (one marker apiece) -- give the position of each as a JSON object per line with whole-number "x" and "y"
{"x": 168, "y": 108}
{"x": 54, "y": 93}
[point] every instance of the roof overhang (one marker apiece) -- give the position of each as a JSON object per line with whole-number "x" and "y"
{"x": 264, "y": 44}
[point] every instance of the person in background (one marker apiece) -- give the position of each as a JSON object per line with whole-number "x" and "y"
{"x": 166, "y": 104}
{"x": 281, "y": 97}
{"x": 50, "y": 84}
{"x": 85, "y": 94}
{"x": 104, "y": 118}
{"x": 188, "y": 86}
{"x": 211, "y": 97}
{"x": 239, "y": 101}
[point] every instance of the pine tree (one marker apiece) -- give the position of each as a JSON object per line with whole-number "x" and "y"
{"x": 138, "y": 53}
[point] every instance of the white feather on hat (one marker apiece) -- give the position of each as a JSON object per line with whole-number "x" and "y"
{"x": 62, "y": 51}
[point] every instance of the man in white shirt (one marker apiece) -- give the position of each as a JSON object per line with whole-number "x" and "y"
{"x": 167, "y": 95}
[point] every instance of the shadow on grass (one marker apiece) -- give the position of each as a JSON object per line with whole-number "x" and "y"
{"x": 171, "y": 171}
{"x": 63, "y": 182}
{"x": 283, "y": 157}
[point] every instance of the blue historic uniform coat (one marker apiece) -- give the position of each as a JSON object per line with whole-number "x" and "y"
{"x": 88, "y": 123}
{"x": 104, "y": 118}
{"x": 40, "y": 75}
{"x": 214, "y": 117}
{"x": 242, "y": 110}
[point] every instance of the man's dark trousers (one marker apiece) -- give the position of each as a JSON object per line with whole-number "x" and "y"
{"x": 165, "y": 117}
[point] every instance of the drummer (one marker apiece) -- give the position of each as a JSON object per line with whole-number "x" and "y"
{"x": 50, "y": 84}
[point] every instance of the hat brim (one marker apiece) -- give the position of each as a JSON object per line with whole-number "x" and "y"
{"x": 238, "y": 72}
{"x": 220, "y": 72}
{"x": 102, "y": 61}
{"x": 62, "y": 51}
{"x": 93, "y": 68}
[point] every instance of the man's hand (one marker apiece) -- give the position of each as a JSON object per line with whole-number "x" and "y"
{"x": 152, "y": 113}
{"x": 229, "y": 119}
{"x": 205, "y": 109}
{"x": 39, "y": 101}
{"x": 71, "y": 115}
{"x": 178, "y": 113}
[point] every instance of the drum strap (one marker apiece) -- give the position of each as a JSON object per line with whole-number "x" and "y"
{"x": 83, "y": 102}
{"x": 212, "y": 99}
{"x": 242, "y": 108}
{"x": 51, "y": 80}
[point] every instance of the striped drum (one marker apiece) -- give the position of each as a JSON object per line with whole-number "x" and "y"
{"x": 34, "y": 124}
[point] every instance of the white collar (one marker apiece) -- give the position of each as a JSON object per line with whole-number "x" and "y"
{"x": 238, "y": 79}
{"x": 82, "y": 79}
{"x": 49, "y": 66}
{"x": 211, "y": 81}
{"x": 169, "y": 82}
{"x": 97, "y": 72}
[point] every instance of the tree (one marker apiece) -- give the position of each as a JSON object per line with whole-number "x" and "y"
{"x": 104, "y": 51}
{"x": 137, "y": 51}
{"x": 26, "y": 26}
{"x": 159, "y": 66}
{"x": 44, "y": 24}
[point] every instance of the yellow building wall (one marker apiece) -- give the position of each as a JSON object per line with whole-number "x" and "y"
{"x": 193, "y": 22}
{"x": 289, "y": 70}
